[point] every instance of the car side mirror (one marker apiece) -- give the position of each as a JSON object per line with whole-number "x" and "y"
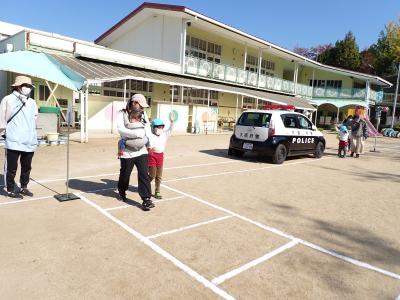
{"x": 314, "y": 128}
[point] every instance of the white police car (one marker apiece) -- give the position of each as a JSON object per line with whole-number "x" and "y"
{"x": 277, "y": 132}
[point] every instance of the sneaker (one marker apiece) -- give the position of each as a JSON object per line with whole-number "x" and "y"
{"x": 357, "y": 155}
{"x": 122, "y": 196}
{"x": 352, "y": 154}
{"x": 147, "y": 204}
{"x": 158, "y": 195}
{"x": 26, "y": 192}
{"x": 14, "y": 195}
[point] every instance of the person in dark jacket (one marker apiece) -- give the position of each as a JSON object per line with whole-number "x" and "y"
{"x": 359, "y": 133}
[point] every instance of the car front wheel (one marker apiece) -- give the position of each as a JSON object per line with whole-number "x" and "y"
{"x": 319, "y": 150}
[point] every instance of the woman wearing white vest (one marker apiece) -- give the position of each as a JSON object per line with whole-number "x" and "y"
{"x": 18, "y": 113}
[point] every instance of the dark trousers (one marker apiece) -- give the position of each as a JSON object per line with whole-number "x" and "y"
{"x": 141, "y": 163}
{"x": 11, "y": 166}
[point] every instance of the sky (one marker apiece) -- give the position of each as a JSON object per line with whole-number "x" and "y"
{"x": 287, "y": 23}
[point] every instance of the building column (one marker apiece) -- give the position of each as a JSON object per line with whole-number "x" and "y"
{"x": 312, "y": 84}
{"x": 337, "y": 116}
{"x": 87, "y": 113}
{"x": 208, "y": 109}
{"x": 236, "y": 111}
{"x": 259, "y": 66}
{"x": 296, "y": 72}
{"x": 182, "y": 87}
{"x": 172, "y": 87}
{"x": 183, "y": 46}
{"x": 367, "y": 94}
{"x": 316, "y": 114}
{"x": 82, "y": 114}
{"x": 125, "y": 92}
{"x": 245, "y": 58}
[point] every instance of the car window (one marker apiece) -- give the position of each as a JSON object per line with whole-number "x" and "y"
{"x": 304, "y": 123}
{"x": 255, "y": 119}
{"x": 289, "y": 121}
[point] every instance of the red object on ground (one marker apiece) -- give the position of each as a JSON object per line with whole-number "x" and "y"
{"x": 279, "y": 106}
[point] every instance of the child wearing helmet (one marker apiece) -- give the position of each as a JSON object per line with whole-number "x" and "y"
{"x": 158, "y": 140}
{"x": 343, "y": 141}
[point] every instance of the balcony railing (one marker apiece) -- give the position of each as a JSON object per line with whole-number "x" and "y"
{"x": 204, "y": 68}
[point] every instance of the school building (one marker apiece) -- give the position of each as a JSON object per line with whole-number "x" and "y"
{"x": 202, "y": 70}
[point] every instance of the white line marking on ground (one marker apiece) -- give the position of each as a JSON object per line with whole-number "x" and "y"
{"x": 278, "y": 232}
{"x": 244, "y": 171}
{"x": 156, "y": 201}
{"x": 26, "y": 200}
{"x": 161, "y": 251}
{"x": 188, "y": 227}
{"x": 220, "y": 279}
{"x": 114, "y": 174}
{"x": 350, "y": 260}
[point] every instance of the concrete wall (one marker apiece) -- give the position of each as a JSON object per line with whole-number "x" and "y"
{"x": 3, "y": 84}
{"x": 157, "y": 37}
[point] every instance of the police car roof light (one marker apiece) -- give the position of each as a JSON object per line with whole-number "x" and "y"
{"x": 279, "y": 106}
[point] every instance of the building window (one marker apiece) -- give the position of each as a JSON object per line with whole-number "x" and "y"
{"x": 116, "y": 88}
{"x": 196, "y": 96}
{"x": 44, "y": 92}
{"x": 249, "y": 103}
{"x": 267, "y": 67}
{"x": 336, "y": 84}
{"x": 203, "y": 49}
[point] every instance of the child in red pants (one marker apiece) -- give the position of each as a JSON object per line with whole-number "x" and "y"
{"x": 158, "y": 139}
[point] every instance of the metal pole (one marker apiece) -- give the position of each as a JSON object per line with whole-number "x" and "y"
{"x": 67, "y": 183}
{"x": 395, "y": 95}
{"x": 67, "y": 196}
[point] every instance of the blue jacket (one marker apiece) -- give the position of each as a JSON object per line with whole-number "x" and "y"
{"x": 21, "y": 131}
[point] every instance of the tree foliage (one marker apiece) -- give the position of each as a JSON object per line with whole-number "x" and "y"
{"x": 381, "y": 58}
{"x": 345, "y": 54}
{"x": 312, "y": 52}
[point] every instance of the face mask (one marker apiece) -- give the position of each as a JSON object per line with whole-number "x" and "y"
{"x": 158, "y": 131}
{"x": 26, "y": 91}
